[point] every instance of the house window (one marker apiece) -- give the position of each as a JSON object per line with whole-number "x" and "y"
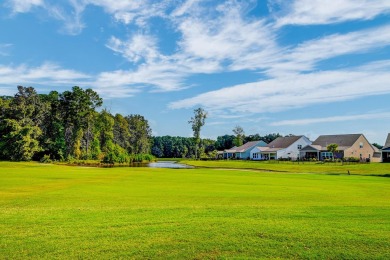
{"x": 299, "y": 146}
{"x": 326, "y": 155}
{"x": 361, "y": 145}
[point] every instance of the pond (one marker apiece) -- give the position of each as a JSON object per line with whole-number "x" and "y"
{"x": 168, "y": 164}
{"x": 158, "y": 164}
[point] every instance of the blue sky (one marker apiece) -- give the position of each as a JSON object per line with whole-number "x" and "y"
{"x": 307, "y": 67}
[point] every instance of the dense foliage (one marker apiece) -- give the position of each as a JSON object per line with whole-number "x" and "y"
{"x": 67, "y": 126}
{"x": 183, "y": 147}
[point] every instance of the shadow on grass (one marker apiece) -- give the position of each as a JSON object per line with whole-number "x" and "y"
{"x": 381, "y": 175}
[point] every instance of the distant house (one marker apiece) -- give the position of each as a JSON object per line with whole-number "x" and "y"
{"x": 243, "y": 151}
{"x": 386, "y": 150}
{"x": 281, "y": 147}
{"x": 349, "y": 145}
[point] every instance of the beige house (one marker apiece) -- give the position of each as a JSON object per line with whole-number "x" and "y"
{"x": 349, "y": 145}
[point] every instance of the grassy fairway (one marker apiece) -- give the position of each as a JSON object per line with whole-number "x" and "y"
{"x": 50, "y": 211}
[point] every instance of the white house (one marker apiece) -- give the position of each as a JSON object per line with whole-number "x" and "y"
{"x": 281, "y": 147}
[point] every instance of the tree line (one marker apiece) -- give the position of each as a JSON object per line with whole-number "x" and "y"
{"x": 184, "y": 147}
{"x": 67, "y": 126}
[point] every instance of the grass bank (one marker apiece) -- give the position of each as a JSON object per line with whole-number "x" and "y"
{"x": 53, "y": 211}
{"x": 381, "y": 169}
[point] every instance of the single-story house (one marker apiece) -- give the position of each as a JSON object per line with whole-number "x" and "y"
{"x": 281, "y": 147}
{"x": 386, "y": 150}
{"x": 243, "y": 151}
{"x": 349, "y": 145}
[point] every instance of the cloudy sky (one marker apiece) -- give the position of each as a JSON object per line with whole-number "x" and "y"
{"x": 290, "y": 66}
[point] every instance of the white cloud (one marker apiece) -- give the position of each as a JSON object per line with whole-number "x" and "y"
{"x": 111, "y": 84}
{"x": 309, "y": 121}
{"x": 305, "y": 56}
{"x": 293, "y": 91}
{"x": 227, "y": 37}
{"x": 46, "y": 74}
{"x": 139, "y": 47}
{"x": 71, "y": 16}
{"x": 23, "y": 6}
{"x": 306, "y": 12}
{"x": 185, "y": 7}
{"x": 208, "y": 45}
{"x": 218, "y": 37}
{"x": 70, "y": 12}
{"x": 157, "y": 78}
{"x": 137, "y": 11}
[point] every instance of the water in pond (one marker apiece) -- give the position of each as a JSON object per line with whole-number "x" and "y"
{"x": 169, "y": 164}
{"x": 158, "y": 164}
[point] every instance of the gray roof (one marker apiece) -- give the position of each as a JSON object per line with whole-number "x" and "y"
{"x": 343, "y": 141}
{"x": 243, "y": 147}
{"x": 269, "y": 150}
{"x": 387, "y": 144}
{"x": 283, "y": 142}
{"x": 311, "y": 147}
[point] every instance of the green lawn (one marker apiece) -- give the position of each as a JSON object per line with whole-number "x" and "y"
{"x": 54, "y": 211}
{"x": 295, "y": 167}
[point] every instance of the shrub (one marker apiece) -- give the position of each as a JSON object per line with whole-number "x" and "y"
{"x": 351, "y": 159}
{"x": 142, "y": 158}
{"x": 45, "y": 159}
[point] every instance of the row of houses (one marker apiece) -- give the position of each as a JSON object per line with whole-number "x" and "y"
{"x": 300, "y": 148}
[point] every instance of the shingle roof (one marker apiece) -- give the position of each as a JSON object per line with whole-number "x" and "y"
{"x": 283, "y": 142}
{"x": 243, "y": 147}
{"x": 387, "y": 144}
{"x": 246, "y": 146}
{"x": 269, "y": 150}
{"x": 312, "y": 148}
{"x": 343, "y": 141}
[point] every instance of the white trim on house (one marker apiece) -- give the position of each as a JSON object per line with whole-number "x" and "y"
{"x": 270, "y": 152}
{"x": 243, "y": 151}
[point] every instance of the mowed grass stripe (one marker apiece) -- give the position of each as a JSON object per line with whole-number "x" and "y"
{"x": 72, "y": 212}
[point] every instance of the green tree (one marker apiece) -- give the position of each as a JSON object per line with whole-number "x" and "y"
{"x": 106, "y": 131}
{"x": 78, "y": 112}
{"x": 19, "y": 126}
{"x": 197, "y": 122}
{"x": 377, "y": 145}
{"x": 333, "y": 149}
{"x": 250, "y": 138}
{"x": 140, "y": 134}
{"x": 18, "y": 142}
{"x": 240, "y": 135}
{"x": 52, "y": 139}
{"x": 121, "y": 131}
{"x": 270, "y": 137}
{"x": 224, "y": 142}
{"x": 66, "y": 125}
